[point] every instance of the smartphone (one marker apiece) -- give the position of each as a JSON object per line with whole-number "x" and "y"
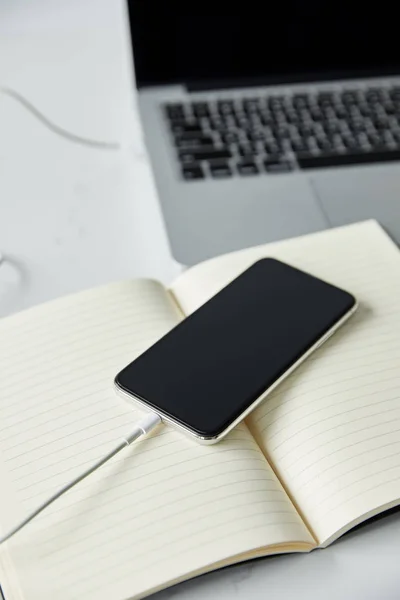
{"x": 217, "y": 365}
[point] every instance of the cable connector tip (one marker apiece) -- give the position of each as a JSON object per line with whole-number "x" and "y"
{"x": 145, "y": 425}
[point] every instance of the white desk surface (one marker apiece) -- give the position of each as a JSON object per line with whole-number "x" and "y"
{"x": 73, "y": 217}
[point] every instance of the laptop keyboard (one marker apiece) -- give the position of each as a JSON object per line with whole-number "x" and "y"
{"x": 281, "y": 133}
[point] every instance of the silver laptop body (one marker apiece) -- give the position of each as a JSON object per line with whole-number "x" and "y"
{"x": 295, "y": 148}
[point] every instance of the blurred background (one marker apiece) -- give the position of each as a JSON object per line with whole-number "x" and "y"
{"x": 70, "y": 215}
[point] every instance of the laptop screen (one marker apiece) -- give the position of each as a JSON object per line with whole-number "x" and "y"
{"x": 264, "y": 43}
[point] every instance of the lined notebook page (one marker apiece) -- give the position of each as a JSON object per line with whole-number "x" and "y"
{"x": 158, "y": 511}
{"x": 332, "y": 430}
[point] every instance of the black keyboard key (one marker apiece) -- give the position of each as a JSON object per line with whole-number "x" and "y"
{"x": 193, "y": 141}
{"x": 247, "y": 150}
{"x": 200, "y": 109}
{"x": 375, "y": 110}
{"x": 217, "y": 123}
{"x": 191, "y": 172}
{"x": 276, "y": 103}
{"x": 299, "y": 145}
{"x": 295, "y": 133}
{"x": 311, "y": 143}
{"x": 242, "y": 121}
{"x": 337, "y": 142}
{"x": 292, "y": 117}
{"x": 331, "y": 127}
{"x": 230, "y": 137}
{"x": 188, "y": 156}
{"x": 305, "y": 111}
{"x": 365, "y": 110}
{"x": 337, "y": 160}
{"x": 279, "y": 116}
{"x": 389, "y": 138}
{"x": 324, "y": 96}
{"x": 300, "y": 101}
{"x": 229, "y": 119}
{"x": 251, "y": 105}
{"x": 395, "y": 94}
{"x": 226, "y": 107}
{"x": 277, "y": 166}
{"x": 341, "y": 112}
{"x": 256, "y": 135}
{"x": 273, "y": 147}
{"x": 325, "y": 145}
{"x": 373, "y": 95}
{"x": 376, "y": 140}
{"x": 174, "y": 111}
{"x": 380, "y": 123}
{"x": 215, "y": 120}
{"x": 357, "y": 125}
{"x": 178, "y": 127}
{"x": 220, "y": 169}
{"x": 350, "y": 142}
{"x": 273, "y": 158}
{"x": 282, "y": 132}
{"x": 306, "y": 130}
{"x": 267, "y": 118}
{"x": 255, "y": 119}
{"x": 191, "y": 135}
{"x": 327, "y": 114}
{"x": 270, "y": 133}
{"x": 349, "y": 97}
{"x": 316, "y": 113}
{"x": 325, "y": 100}
{"x": 228, "y": 123}
{"x": 245, "y": 135}
{"x": 247, "y": 167}
{"x": 389, "y": 108}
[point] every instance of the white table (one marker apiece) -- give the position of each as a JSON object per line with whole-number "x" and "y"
{"x": 73, "y": 217}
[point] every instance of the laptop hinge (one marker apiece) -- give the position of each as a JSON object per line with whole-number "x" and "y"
{"x": 226, "y": 84}
{"x": 212, "y": 84}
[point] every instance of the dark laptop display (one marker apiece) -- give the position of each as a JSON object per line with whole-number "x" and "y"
{"x": 291, "y": 42}
{"x": 263, "y": 43}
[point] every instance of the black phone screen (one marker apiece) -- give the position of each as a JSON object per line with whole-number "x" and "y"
{"x": 215, "y": 364}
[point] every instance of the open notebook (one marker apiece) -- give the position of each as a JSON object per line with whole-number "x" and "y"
{"x": 319, "y": 456}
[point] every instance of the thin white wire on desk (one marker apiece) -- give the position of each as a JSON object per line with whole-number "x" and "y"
{"x": 60, "y": 131}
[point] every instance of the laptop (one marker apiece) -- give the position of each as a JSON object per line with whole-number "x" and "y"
{"x": 281, "y": 120}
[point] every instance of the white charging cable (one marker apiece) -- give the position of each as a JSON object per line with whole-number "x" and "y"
{"x": 150, "y": 421}
{"x": 72, "y": 137}
{"x": 60, "y": 131}
{"x": 143, "y": 427}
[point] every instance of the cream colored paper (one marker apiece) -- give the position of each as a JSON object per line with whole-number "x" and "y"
{"x": 164, "y": 509}
{"x": 332, "y": 430}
